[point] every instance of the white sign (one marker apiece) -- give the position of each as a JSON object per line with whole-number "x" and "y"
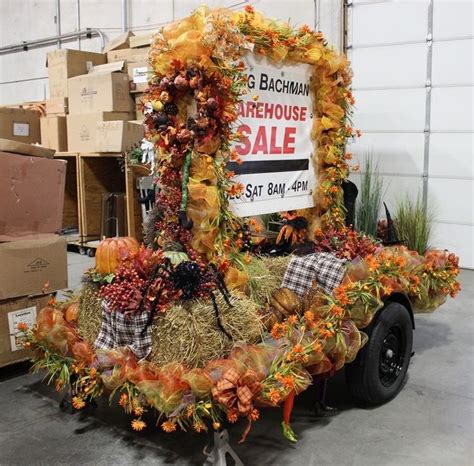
{"x": 28, "y": 316}
{"x": 140, "y": 74}
{"x": 275, "y": 151}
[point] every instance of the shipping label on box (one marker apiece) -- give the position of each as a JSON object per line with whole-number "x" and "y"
{"x": 24, "y": 316}
{"x": 21, "y": 129}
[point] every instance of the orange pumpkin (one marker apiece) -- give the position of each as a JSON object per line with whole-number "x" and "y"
{"x": 111, "y": 251}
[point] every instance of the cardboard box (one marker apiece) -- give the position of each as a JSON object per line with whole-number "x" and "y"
{"x": 82, "y": 129}
{"x": 139, "y": 74}
{"x": 58, "y": 106}
{"x": 103, "y": 89}
{"x": 139, "y": 107}
{"x": 120, "y": 42}
{"x": 129, "y": 55}
{"x": 31, "y": 195}
{"x": 25, "y": 149}
{"x": 54, "y": 133}
{"x": 20, "y": 124}
{"x": 12, "y": 312}
{"x": 118, "y": 136}
{"x": 143, "y": 40}
{"x": 64, "y": 64}
{"x": 31, "y": 266}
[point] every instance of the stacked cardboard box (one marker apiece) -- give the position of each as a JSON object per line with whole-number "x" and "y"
{"x": 20, "y": 124}
{"x": 100, "y": 101}
{"x": 139, "y": 71}
{"x": 32, "y": 256}
{"x": 63, "y": 65}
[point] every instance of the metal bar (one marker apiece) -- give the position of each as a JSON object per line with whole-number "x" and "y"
{"x": 78, "y": 14}
{"x": 58, "y": 22}
{"x": 419, "y": 86}
{"x": 429, "y": 73}
{"x": 15, "y": 81}
{"x": 416, "y": 131}
{"x": 466, "y": 224}
{"x": 28, "y": 44}
{"x": 407, "y": 42}
{"x": 124, "y": 16}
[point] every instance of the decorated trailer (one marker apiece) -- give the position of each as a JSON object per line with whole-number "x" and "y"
{"x": 220, "y": 315}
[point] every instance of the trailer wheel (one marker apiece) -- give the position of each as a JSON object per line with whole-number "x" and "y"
{"x": 378, "y": 373}
{"x": 91, "y": 252}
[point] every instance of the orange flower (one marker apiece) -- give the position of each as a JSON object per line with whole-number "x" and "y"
{"x": 337, "y": 310}
{"x": 138, "y": 425}
{"x": 277, "y": 331}
{"x": 168, "y": 426}
{"x": 78, "y": 402}
{"x": 22, "y": 326}
{"x": 138, "y": 410}
{"x": 292, "y": 319}
{"x": 288, "y": 382}
{"x": 298, "y": 348}
{"x": 93, "y": 372}
{"x": 189, "y": 411}
{"x": 341, "y": 295}
{"x": 317, "y": 346}
{"x": 249, "y": 9}
{"x": 236, "y": 189}
{"x": 232, "y": 415}
{"x": 274, "y": 395}
{"x": 372, "y": 262}
{"x": 198, "y": 426}
{"x": 309, "y": 316}
{"x": 305, "y": 29}
{"x": 123, "y": 400}
{"x": 348, "y": 156}
{"x": 216, "y": 425}
{"x": 254, "y": 414}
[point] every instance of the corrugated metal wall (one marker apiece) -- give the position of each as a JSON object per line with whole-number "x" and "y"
{"x": 413, "y": 82}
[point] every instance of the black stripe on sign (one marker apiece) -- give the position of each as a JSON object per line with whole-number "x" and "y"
{"x": 269, "y": 166}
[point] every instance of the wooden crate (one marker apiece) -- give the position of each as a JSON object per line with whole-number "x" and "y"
{"x": 98, "y": 174}
{"x": 71, "y": 211}
{"x": 134, "y": 212}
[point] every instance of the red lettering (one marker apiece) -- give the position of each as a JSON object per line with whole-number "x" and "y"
{"x": 250, "y": 109}
{"x": 261, "y": 144}
{"x": 243, "y": 148}
{"x": 274, "y": 149}
{"x": 303, "y": 114}
{"x": 259, "y": 110}
{"x": 289, "y": 138}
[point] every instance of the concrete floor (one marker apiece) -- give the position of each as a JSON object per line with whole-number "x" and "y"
{"x": 429, "y": 423}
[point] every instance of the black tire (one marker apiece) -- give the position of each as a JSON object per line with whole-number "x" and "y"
{"x": 378, "y": 373}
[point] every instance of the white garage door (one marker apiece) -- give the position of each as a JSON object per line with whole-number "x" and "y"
{"x": 413, "y": 83}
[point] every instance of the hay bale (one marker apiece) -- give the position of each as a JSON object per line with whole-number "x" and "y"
{"x": 189, "y": 332}
{"x": 90, "y": 313}
{"x": 266, "y": 274}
